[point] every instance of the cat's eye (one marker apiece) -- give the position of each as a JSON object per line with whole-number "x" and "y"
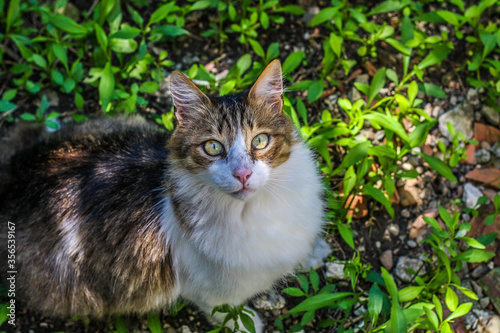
{"x": 213, "y": 148}
{"x": 260, "y": 141}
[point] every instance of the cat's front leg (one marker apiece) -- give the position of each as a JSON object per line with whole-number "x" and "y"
{"x": 320, "y": 251}
{"x": 218, "y": 318}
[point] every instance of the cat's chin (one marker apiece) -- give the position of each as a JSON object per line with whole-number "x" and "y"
{"x": 243, "y": 194}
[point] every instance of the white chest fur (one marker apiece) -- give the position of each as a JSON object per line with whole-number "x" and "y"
{"x": 240, "y": 248}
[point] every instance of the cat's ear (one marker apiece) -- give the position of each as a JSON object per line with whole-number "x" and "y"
{"x": 188, "y": 99}
{"x": 268, "y": 89}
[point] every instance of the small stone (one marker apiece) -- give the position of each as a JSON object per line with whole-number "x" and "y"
{"x": 471, "y": 195}
{"x": 335, "y": 270}
{"x": 405, "y": 213}
{"x": 185, "y": 329}
{"x": 485, "y": 145}
{"x": 484, "y": 302}
{"x": 472, "y": 95}
{"x": 491, "y": 115}
{"x": 393, "y": 229}
{"x": 470, "y": 151}
{"x": 411, "y": 243}
{"x": 404, "y": 264}
{"x": 491, "y": 286}
{"x": 483, "y": 156}
{"x": 453, "y": 100}
{"x": 461, "y": 117}
{"x": 310, "y": 13}
{"x": 479, "y": 271}
{"x": 363, "y": 78}
{"x": 378, "y": 244}
{"x": 409, "y": 196}
{"x": 488, "y": 176}
{"x": 386, "y": 259}
{"x": 271, "y": 301}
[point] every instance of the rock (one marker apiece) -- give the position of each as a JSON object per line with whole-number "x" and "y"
{"x": 479, "y": 271}
{"x": 491, "y": 286}
{"x": 409, "y": 196}
{"x": 491, "y": 115}
{"x": 483, "y": 156}
{"x": 335, "y": 270}
{"x": 484, "y": 302}
{"x": 411, "y": 243}
{"x": 470, "y": 151}
{"x": 319, "y": 253}
{"x": 472, "y": 96}
{"x": 404, "y": 264}
{"x": 487, "y": 133}
{"x": 185, "y": 329}
{"x": 386, "y": 259}
{"x": 393, "y": 229}
{"x": 488, "y": 176}
{"x": 471, "y": 195}
{"x": 378, "y": 244}
{"x": 363, "y": 78}
{"x": 461, "y": 117}
{"x": 310, "y": 13}
{"x": 271, "y": 301}
{"x": 405, "y": 213}
{"x": 485, "y": 145}
{"x": 487, "y": 321}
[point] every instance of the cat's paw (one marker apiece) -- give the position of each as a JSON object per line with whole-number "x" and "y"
{"x": 321, "y": 250}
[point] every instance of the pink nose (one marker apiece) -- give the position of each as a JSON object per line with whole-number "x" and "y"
{"x": 243, "y": 175}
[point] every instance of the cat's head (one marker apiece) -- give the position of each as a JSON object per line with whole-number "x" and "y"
{"x": 234, "y": 142}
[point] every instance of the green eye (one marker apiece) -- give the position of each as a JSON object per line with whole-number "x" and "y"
{"x": 260, "y": 141}
{"x": 213, "y": 148}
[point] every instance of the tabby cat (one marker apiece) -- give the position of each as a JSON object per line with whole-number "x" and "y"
{"x": 116, "y": 216}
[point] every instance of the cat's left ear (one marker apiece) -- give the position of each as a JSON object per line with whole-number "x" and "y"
{"x": 268, "y": 89}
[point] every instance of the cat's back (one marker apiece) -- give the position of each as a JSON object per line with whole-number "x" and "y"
{"x": 81, "y": 199}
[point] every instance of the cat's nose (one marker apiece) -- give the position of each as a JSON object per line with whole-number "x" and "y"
{"x": 242, "y": 175}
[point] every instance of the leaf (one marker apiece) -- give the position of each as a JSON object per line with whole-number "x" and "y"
{"x": 244, "y": 63}
{"x": 247, "y": 322}
{"x": 463, "y": 309}
{"x": 293, "y": 61}
{"x": 301, "y": 108}
{"x": 432, "y": 90}
{"x": 336, "y": 44}
{"x": 106, "y": 86}
{"x": 418, "y": 136}
{"x": 467, "y": 292}
{"x": 257, "y": 48}
{"x": 378, "y": 195}
{"x": 474, "y": 255}
{"x": 149, "y": 87}
{"x": 61, "y": 53}
{"x": 154, "y": 323}
{"x": 318, "y": 301}
{"x": 12, "y": 13}
{"x": 472, "y": 242}
{"x": 28, "y": 117}
{"x": 314, "y": 277}
{"x": 292, "y": 9}
{"x": 101, "y": 37}
{"x": 120, "y": 325}
{"x": 307, "y": 318}
{"x": 126, "y": 33}
{"x": 375, "y": 302}
{"x": 389, "y": 122}
{"x": 390, "y": 285}
{"x": 161, "y": 13}
{"x": 356, "y": 154}
{"x": 273, "y": 51}
{"x": 409, "y": 293}
{"x": 435, "y": 56}
{"x": 123, "y": 45}
{"x": 432, "y": 319}
{"x": 293, "y": 292}
{"x": 170, "y": 30}
{"x": 451, "y": 299}
{"x": 386, "y": 6}
{"x": 398, "y": 46}
{"x": 439, "y": 166}
{"x": 6, "y": 106}
{"x": 66, "y": 24}
{"x": 349, "y": 180}
{"x": 438, "y": 307}
{"x": 397, "y": 323}
{"x": 377, "y": 84}
{"x": 346, "y": 233}
{"x": 324, "y": 15}
{"x": 315, "y": 91}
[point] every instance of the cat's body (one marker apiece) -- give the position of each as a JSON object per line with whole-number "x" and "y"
{"x": 109, "y": 220}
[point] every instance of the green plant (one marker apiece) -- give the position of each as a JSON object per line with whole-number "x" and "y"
{"x": 234, "y": 314}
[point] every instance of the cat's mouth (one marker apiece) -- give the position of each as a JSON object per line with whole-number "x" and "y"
{"x": 244, "y": 192}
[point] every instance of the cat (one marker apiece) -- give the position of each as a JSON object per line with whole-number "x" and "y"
{"x": 116, "y": 216}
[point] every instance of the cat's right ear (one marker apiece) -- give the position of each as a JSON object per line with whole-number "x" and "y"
{"x": 187, "y": 98}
